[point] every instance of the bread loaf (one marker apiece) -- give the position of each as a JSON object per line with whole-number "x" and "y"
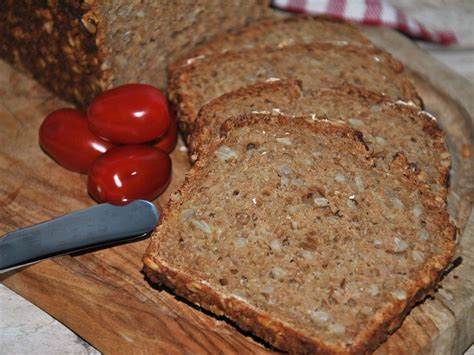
{"x": 80, "y": 48}
{"x": 388, "y": 127}
{"x": 288, "y": 229}
{"x": 317, "y": 66}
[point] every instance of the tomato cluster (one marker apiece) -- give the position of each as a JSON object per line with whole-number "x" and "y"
{"x": 122, "y": 143}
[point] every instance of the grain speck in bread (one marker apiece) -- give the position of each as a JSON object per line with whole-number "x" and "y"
{"x": 388, "y": 127}
{"x": 316, "y": 65}
{"x": 278, "y": 33}
{"x": 285, "y": 227}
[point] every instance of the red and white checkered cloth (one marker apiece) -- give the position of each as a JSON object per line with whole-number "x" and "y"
{"x": 368, "y": 12}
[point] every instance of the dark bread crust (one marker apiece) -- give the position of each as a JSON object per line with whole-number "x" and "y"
{"x": 59, "y": 44}
{"x": 235, "y": 38}
{"x": 187, "y": 101}
{"x": 261, "y": 323}
{"x": 293, "y": 92}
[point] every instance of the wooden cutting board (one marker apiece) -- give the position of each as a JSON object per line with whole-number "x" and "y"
{"x": 103, "y": 295}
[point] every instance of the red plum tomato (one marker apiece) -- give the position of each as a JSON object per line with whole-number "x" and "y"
{"x": 129, "y": 114}
{"x": 168, "y": 141}
{"x": 65, "y": 136}
{"x": 128, "y": 173}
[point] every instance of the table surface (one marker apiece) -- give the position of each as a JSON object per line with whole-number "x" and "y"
{"x": 24, "y": 328}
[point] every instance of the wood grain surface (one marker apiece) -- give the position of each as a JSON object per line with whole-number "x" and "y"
{"x": 103, "y": 295}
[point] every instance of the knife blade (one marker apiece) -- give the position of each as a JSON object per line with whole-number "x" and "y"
{"x": 91, "y": 227}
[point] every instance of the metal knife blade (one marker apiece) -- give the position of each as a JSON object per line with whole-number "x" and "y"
{"x": 88, "y": 228}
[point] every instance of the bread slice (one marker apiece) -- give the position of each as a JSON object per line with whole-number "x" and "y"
{"x": 286, "y": 228}
{"x": 278, "y": 33}
{"x": 317, "y": 65}
{"x": 388, "y": 127}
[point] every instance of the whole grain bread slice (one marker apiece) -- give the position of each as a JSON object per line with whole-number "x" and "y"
{"x": 317, "y": 65}
{"x": 388, "y": 127}
{"x": 278, "y": 33}
{"x": 286, "y": 227}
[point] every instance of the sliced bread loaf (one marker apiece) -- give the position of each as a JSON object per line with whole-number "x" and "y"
{"x": 80, "y": 48}
{"x": 278, "y": 33}
{"x": 388, "y": 127}
{"x": 317, "y": 65}
{"x": 286, "y": 228}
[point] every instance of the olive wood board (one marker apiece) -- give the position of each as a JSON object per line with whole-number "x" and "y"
{"x": 103, "y": 295}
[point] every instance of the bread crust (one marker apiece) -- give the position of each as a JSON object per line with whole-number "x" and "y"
{"x": 58, "y": 44}
{"x": 186, "y": 100}
{"x": 261, "y": 323}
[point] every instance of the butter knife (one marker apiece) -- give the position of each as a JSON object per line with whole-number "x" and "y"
{"x": 91, "y": 227}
